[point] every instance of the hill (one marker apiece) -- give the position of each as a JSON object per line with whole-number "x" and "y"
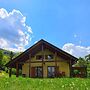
{"x": 6, "y": 55}
{"x": 5, "y": 52}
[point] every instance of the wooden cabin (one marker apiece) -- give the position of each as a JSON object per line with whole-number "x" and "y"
{"x": 43, "y": 60}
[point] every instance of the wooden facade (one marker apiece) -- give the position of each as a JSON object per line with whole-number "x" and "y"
{"x": 43, "y": 60}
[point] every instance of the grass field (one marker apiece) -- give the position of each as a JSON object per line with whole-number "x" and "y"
{"x": 21, "y": 83}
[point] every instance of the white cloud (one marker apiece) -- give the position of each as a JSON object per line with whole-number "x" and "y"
{"x": 78, "y": 51}
{"x": 3, "y": 43}
{"x": 14, "y": 33}
{"x": 3, "y": 13}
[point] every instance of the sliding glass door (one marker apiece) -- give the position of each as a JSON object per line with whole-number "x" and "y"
{"x": 38, "y": 72}
{"x": 51, "y": 71}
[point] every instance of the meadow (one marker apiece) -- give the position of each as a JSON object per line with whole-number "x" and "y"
{"x": 21, "y": 83}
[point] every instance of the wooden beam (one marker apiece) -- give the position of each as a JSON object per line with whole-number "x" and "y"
{"x": 42, "y": 60}
{"x": 29, "y": 65}
{"x": 17, "y": 69}
{"x": 70, "y": 66}
{"x": 45, "y": 61}
{"x": 55, "y": 64}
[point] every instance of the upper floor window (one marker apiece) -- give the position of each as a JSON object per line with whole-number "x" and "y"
{"x": 49, "y": 57}
{"x": 39, "y": 57}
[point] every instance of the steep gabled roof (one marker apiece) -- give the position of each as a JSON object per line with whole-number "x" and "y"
{"x": 37, "y": 47}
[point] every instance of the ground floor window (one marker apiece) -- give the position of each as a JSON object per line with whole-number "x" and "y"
{"x": 51, "y": 71}
{"x": 38, "y": 72}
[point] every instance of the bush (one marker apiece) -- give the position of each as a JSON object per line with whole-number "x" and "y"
{"x": 76, "y": 72}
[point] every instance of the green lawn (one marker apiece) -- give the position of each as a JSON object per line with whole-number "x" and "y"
{"x": 21, "y": 83}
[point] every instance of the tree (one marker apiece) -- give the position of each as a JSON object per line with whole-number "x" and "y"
{"x": 81, "y": 62}
{"x": 1, "y": 57}
{"x": 5, "y": 59}
{"x": 11, "y": 55}
{"x": 87, "y": 57}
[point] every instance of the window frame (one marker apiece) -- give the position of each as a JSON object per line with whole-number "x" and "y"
{"x": 50, "y": 71}
{"x": 52, "y": 57}
{"x": 39, "y": 57}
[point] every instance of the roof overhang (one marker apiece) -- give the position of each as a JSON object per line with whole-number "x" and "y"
{"x": 37, "y": 47}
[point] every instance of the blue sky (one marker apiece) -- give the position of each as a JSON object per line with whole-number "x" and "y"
{"x": 64, "y": 23}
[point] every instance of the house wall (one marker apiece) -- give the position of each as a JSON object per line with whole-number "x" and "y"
{"x": 63, "y": 65}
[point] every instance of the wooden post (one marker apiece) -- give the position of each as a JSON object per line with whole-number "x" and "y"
{"x": 70, "y": 66}
{"x": 29, "y": 65}
{"x": 17, "y": 69}
{"x": 42, "y": 60}
{"x": 10, "y": 72}
{"x": 55, "y": 64}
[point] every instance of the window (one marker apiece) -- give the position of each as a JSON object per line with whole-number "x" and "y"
{"x": 51, "y": 71}
{"x": 38, "y": 72}
{"x": 39, "y": 57}
{"x": 49, "y": 57}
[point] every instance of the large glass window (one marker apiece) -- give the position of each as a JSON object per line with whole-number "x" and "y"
{"x": 38, "y": 72}
{"x": 51, "y": 71}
